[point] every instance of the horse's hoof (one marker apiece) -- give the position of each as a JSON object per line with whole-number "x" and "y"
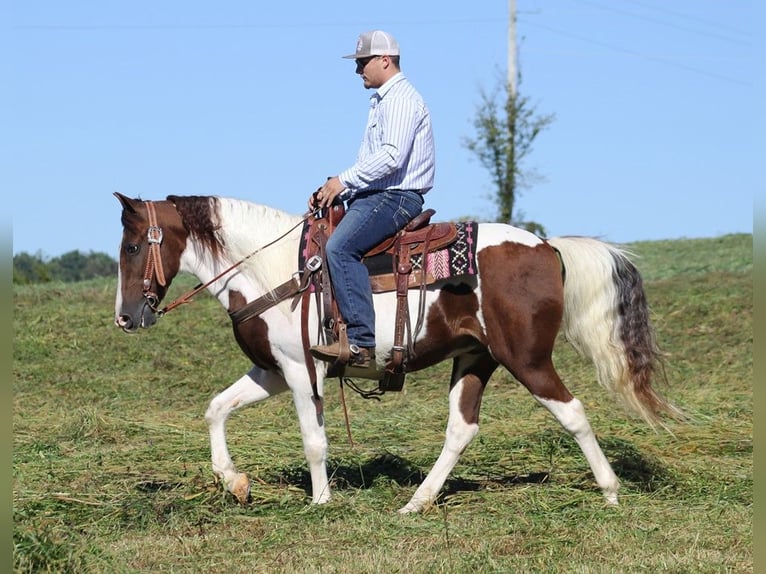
{"x": 240, "y": 488}
{"x": 611, "y": 499}
{"x": 324, "y": 498}
{"x": 408, "y": 508}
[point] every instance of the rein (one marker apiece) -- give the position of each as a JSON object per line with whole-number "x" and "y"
{"x": 187, "y": 297}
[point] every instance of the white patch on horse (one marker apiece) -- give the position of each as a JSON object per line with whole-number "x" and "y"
{"x": 497, "y": 233}
{"x": 267, "y": 265}
{"x": 571, "y": 416}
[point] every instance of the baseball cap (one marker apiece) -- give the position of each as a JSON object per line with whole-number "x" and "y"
{"x": 375, "y": 43}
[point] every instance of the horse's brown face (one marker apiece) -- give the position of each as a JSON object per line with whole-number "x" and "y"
{"x": 150, "y": 254}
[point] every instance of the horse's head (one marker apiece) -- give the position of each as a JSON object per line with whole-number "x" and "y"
{"x": 153, "y": 239}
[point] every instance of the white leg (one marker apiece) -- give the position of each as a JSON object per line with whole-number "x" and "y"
{"x": 459, "y": 435}
{"x": 314, "y": 444}
{"x": 253, "y": 387}
{"x": 572, "y": 417}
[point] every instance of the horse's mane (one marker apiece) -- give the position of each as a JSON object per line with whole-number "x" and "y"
{"x": 196, "y": 212}
{"x": 229, "y": 230}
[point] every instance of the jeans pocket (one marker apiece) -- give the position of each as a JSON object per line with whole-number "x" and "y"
{"x": 408, "y": 208}
{"x": 401, "y": 217}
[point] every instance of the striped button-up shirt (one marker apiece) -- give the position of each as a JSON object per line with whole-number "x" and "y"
{"x": 397, "y": 150}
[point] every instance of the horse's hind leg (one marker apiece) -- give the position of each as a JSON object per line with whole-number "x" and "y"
{"x": 253, "y": 387}
{"x": 523, "y": 313}
{"x": 571, "y": 415}
{"x": 541, "y": 379}
{"x": 470, "y": 373}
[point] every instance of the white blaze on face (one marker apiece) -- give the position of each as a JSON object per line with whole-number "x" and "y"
{"x": 118, "y": 298}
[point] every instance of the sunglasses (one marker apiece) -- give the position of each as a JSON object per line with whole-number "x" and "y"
{"x": 361, "y": 63}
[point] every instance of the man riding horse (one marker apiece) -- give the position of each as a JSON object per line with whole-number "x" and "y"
{"x": 384, "y": 189}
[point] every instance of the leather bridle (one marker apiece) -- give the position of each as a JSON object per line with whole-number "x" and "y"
{"x": 153, "y": 259}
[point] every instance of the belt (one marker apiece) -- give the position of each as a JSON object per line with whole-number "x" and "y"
{"x": 346, "y": 194}
{"x": 420, "y": 191}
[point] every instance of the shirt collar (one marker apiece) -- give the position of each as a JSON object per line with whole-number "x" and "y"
{"x": 385, "y": 88}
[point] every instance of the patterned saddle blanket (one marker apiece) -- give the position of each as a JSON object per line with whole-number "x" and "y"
{"x": 454, "y": 260}
{"x": 457, "y": 259}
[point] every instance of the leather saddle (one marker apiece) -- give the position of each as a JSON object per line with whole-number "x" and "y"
{"x": 418, "y": 238}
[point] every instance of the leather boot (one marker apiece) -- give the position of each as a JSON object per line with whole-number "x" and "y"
{"x": 358, "y": 356}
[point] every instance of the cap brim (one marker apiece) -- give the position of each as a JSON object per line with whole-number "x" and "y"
{"x": 355, "y": 56}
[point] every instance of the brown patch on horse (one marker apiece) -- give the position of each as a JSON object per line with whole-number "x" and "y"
{"x": 252, "y": 335}
{"x": 470, "y": 398}
{"x": 452, "y": 324}
{"x": 523, "y": 305}
{"x": 475, "y": 375}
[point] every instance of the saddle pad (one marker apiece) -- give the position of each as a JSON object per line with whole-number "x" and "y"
{"x": 457, "y": 259}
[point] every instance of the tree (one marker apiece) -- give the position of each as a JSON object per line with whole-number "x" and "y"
{"x": 30, "y": 269}
{"x": 506, "y": 125}
{"x": 100, "y": 265}
{"x": 70, "y": 267}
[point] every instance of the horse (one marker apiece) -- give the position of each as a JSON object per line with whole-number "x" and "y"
{"x": 525, "y": 291}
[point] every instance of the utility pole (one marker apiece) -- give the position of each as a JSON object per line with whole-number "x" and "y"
{"x": 512, "y": 47}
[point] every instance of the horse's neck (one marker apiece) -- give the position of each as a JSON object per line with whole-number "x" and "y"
{"x": 252, "y": 239}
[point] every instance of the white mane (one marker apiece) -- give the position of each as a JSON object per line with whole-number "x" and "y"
{"x": 247, "y": 227}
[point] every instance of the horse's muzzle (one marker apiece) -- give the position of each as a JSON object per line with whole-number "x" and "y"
{"x": 126, "y": 322}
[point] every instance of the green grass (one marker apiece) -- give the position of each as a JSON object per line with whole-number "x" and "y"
{"x": 111, "y": 468}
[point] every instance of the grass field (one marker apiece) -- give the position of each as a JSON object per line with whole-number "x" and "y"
{"x": 111, "y": 468}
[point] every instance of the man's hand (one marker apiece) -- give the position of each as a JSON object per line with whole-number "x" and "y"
{"x": 325, "y": 195}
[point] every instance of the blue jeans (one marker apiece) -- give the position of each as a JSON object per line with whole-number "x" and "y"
{"x": 370, "y": 218}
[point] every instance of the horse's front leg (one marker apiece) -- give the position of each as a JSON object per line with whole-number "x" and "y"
{"x": 471, "y": 374}
{"x": 253, "y": 387}
{"x": 311, "y": 420}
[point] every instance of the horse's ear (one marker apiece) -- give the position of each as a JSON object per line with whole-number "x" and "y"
{"x": 126, "y": 202}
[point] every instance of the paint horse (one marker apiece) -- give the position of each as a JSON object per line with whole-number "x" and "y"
{"x": 509, "y": 313}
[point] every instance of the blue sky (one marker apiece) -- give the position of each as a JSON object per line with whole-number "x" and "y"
{"x": 654, "y": 134}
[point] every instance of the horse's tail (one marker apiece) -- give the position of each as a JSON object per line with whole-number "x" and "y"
{"x": 606, "y": 319}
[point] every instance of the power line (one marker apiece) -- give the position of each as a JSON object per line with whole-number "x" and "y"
{"x": 620, "y": 50}
{"x": 248, "y": 26}
{"x": 716, "y": 25}
{"x": 663, "y": 23}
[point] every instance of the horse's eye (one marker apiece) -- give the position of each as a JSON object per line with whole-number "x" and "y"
{"x": 132, "y": 248}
